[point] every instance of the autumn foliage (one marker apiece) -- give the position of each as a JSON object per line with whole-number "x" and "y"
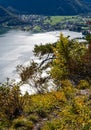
{"x": 67, "y": 106}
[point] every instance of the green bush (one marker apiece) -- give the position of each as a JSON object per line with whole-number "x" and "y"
{"x": 33, "y": 117}
{"x": 42, "y": 113}
{"x": 87, "y": 127}
{"x": 83, "y": 84}
{"x": 11, "y": 102}
{"x": 52, "y": 125}
{"x": 22, "y": 123}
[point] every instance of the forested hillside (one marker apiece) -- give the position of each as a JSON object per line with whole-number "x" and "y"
{"x": 46, "y": 7}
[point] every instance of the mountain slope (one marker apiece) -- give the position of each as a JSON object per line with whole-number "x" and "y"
{"x": 49, "y": 7}
{"x": 8, "y": 18}
{"x": 88, "y": 2}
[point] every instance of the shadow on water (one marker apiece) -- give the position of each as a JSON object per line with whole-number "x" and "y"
{"x": 3, "y": 30}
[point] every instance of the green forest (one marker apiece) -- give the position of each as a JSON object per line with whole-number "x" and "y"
{"x": 63, "y": 95}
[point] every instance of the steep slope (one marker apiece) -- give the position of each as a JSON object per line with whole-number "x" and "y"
{"x": 49, "y": 7}
{"x": 5, "y": 15}
{"x": 4, "y": 12}
{"x": 88, "y": 2}
{"x": 8, "y": 18}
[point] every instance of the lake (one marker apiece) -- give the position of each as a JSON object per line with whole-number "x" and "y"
{"x": 16, "y": 48}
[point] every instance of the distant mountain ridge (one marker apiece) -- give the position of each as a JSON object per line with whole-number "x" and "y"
{"x": 87, "y": 1}
{"x": 7, "y": 18}
{"x": 49, "y": 7}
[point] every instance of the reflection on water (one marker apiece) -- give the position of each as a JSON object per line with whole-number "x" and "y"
{"x": 16, "y": 48}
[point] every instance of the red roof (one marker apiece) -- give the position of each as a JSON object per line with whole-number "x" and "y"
{"x": 89, "y": 22}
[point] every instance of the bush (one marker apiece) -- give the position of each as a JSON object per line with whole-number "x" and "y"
{"x": 11, "y": 102}
{"x": 42, "y": 112}
{"x": 68, "y": 89}
{"x": 22, "y": 123}
{"x": 87, "y": 126}
{"x": 83, "y": 84}
{"x": 33, "y": 117}
{"x": 52, "y": 125}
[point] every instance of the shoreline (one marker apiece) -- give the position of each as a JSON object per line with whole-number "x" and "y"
{"x": 17, "y": 46}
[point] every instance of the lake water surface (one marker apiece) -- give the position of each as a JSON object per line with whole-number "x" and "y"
{"x": 16, "y": 48}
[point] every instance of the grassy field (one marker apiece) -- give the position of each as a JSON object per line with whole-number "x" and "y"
{"x": 53, "y": 20}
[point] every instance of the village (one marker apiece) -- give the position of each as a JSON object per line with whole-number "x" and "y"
{"x": 40, "y": 23}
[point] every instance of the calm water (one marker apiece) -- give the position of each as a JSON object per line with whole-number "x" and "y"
{"x": 16, "y": 48}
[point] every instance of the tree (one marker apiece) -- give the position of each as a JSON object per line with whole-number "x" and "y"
{"x": 88, "y": 38}
{"x": 68, "y": 62}
{"x": 65, "y": 59}
{"x": 33, "y": 75}
{"x": 11, "y": 101}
